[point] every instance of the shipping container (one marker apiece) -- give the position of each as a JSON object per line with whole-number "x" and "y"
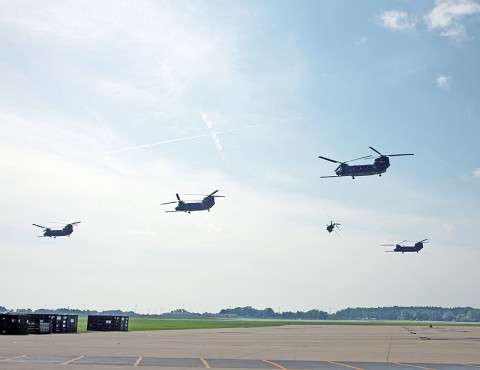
{"x": 107, "y": 323}
{"x": 59, "y": 323}
{"x": 16, "y": 324}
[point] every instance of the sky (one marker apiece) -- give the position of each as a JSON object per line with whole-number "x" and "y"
{"x": 110, "y": 108}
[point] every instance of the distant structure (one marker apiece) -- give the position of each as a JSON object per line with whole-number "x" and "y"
{"x": 52, "y": 323}
{"x": 13, "y": 324}
{"x": 107, "y": 323}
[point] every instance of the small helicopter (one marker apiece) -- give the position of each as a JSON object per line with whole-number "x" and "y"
{"x": 332, "y": 227}
{"x": 378, "y": 167}
{"x": 405, "y": 248}
{"x": 207, "y": 203}
{"x": 66, "y": 231}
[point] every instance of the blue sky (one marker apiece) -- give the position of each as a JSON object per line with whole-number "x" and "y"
{"x": 94, "y": 95}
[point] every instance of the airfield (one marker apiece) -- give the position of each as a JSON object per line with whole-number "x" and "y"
{"x": 331, "y": 347}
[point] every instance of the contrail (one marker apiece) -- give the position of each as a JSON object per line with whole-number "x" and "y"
{"x": 212, "y": 134}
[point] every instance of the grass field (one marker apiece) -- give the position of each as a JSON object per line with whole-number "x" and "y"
{"x": 138, "y": 323}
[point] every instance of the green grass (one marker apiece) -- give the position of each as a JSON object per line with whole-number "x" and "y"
{"x": 139, "y": 323}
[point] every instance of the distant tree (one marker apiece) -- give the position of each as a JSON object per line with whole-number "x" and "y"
{"x": 448, "y": 316}
{"x": 23, "y": 310}
{"x": 406, "y": 314}
{"x": 473, "y": 315}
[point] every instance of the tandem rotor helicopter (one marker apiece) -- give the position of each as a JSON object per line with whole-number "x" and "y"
{"x": 66, "y": 231}
{"x": 378, "y": 167}
{"x": 205, "y": 204}
{"x": 406, "y": 248}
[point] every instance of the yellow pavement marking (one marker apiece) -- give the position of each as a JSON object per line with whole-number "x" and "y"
{"x": 75, "y": 359}
{"x": 205, "y": 363}
{"x": 11, "y": 358}
{"x": 351, "y": 367}
{"x": 274, "y": 364}
{"x": 419, "y": 367}
{"x": 137, "y": 362}
{"x": 478, "y": 367}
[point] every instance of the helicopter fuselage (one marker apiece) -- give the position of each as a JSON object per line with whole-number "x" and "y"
{"x": 66, "y": 231}
{"x": 404, "y": 248}
{"x": 378, "y": 167}
{"x": 204, "y": 205}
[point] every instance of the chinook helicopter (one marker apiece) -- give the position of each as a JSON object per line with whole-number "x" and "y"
{"x": 66, "y": 231}
{"x": 405, "y": 248}
{"x": 379, "y": 165}
{"x": 205, "y": 204}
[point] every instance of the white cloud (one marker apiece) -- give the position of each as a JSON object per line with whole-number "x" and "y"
{"x": 216, "y": 140}
{"x": 445, "y": 17}
{"x": 476, "y": 173}
{"x": 444, "y": 82}
{"x": 397, "y": 20}
{"x": 362, "y": 40}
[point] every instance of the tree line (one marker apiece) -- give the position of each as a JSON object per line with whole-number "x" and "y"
{"x": 463, "y": 314}
{"x": 456, "y": 314}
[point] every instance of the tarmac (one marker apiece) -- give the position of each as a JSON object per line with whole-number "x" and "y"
{"x": 329, "y": 347}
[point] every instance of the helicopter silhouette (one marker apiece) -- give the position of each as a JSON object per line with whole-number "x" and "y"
{"x": 66, "y": 231}
{"x": 332, "y": 226}
{"x": 203, "y": 205}
{"x": 379, "y": 165}
{"x": 405, "y": 248}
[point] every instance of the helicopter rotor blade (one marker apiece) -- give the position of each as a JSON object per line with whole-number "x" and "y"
{"x": 328, "y": 159}
{"x": 376, "y": 151}
{"x": 169, "y": 203}
{"x": 397, "y": 155}
{"x": 424, "y": 241}
{"x": 43, "y": 227}
{"x": 75, "y": 223}
{"x": 171, "y": 211}
{"x": 325, "y": 177}
{"x": 177, "y": 196}
{"x": 213, "y": 193}
{"x": 387, "y": 245}
{"x": 356, "y": 159}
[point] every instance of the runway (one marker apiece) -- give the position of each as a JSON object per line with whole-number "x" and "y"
{"x": 288, "y": 347}
{"x": 107, "y": 362}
